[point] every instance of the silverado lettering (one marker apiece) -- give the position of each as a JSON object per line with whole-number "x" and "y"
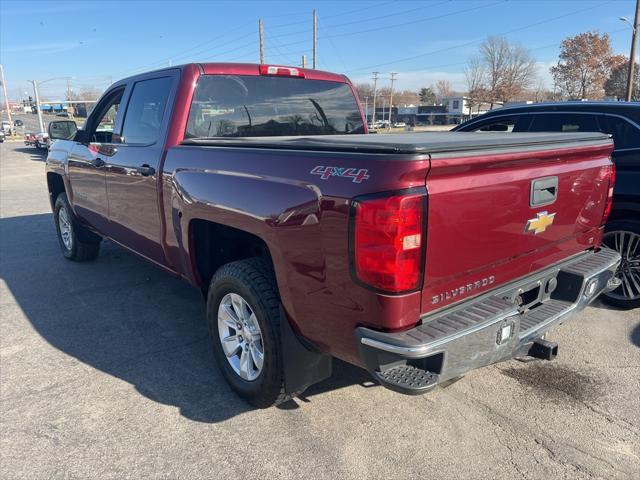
{"x": 463, "y": 290}
{"x": 418, "y": 269}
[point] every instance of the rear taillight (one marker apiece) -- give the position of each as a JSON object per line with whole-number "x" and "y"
{"x": 608, "y": 173}
{"x": 388, "y": 241}
{"x": 280, "y": 71}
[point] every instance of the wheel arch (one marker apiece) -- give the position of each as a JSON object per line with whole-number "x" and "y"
{"x": 214, "y": 244}
{"x": 56, "y": 186}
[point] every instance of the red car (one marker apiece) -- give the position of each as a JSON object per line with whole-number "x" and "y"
{"x": 38, "y": 140}
{"x": 416, "y": 256}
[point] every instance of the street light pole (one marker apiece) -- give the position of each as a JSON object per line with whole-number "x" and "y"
{"x": 38, "y": 108}
{"x": 6, "y": 98}
{"x": 37, "y": 95}
{"x": 632, "y": 55}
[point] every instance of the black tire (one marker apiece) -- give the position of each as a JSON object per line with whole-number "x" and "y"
{"x": 623, "y": 297}
{"x": 81, "y": 244}
{"x": 254, "y": 281}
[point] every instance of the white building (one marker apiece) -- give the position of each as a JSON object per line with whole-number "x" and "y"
{"x": 459, "y": 105}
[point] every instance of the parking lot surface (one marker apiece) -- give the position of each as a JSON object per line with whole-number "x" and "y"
{"x": 106, "y": 372}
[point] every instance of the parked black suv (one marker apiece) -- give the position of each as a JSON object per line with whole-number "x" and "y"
{"x": 622, "y": 121}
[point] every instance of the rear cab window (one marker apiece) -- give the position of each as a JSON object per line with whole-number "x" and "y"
{"x": 253, "y": 106}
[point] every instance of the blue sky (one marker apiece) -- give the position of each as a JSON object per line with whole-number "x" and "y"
{"x": 97, "y": 42}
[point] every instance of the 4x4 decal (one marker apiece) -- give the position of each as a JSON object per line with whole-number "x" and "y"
{"x": 356, "y": 175}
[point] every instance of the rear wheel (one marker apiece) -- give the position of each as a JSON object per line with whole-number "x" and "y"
{"x": 243, "y": 317}
{"x": 76, "y": 242}
{"x": 624, "y": 237}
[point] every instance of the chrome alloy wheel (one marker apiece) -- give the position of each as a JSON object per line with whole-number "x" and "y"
{"x": 627, "y": 244}
{"x": 66, "y": 230}
{"x": 240, "y": 336}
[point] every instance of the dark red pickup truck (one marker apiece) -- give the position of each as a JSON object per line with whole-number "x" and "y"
{"x": 416, "y": 256}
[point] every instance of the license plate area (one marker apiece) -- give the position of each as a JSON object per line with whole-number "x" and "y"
{"x": 532, "y": 295}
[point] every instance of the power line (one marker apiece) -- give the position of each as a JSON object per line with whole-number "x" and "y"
{"x": 361, "y": 20}
{"x": 473, "y": 42}
{"x": 419, "y": 20}
{"x": 189, "y": 52}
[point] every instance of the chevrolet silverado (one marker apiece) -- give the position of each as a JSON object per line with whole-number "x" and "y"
{"x": 417, "y": 256}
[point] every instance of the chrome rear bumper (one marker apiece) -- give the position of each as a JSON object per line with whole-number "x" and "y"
{"x": 487, "y": 329}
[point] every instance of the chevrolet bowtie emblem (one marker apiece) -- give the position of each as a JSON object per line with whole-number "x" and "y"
{"x": 540, "y": 223}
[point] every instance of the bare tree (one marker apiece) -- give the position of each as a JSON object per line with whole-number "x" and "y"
{"x": 509, "y": 69}
{"x": 405, "y": 97}
{"x": 443, "y": 88}
{"x": 88, "y": 94}
{"x": 364, "y": 90}
{"x": 519, "y": 74}
{"x": 475, "y": 75}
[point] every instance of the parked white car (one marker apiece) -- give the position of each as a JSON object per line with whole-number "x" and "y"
{"x": 7, "y": 128}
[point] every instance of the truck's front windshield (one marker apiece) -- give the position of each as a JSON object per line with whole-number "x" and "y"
{"x": 258, "y": 106}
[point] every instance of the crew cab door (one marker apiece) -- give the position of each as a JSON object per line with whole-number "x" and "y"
{"x": 133, "y": 167}
{"x": 86, "y": 162}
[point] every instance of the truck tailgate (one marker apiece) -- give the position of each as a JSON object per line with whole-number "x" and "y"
{"x": 495, "y": 216}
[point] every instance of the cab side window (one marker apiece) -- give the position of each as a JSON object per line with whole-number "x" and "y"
{"x": 625, "y": 134}
{"x": 143, "y": 118}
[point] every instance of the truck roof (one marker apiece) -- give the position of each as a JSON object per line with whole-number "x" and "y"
{"x": 227, "y": 68}
{"x": 410, "y": 143}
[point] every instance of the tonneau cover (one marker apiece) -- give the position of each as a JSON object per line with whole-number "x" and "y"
{"x": 410, "y": 143}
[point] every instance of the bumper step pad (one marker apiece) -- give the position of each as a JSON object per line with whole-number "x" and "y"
{"x": 407, "y": 379}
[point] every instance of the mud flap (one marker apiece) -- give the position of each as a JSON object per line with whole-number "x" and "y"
{"x": 303, "y": 366}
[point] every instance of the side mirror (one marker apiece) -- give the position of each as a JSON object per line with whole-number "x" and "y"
{"x": 62, "y": 130}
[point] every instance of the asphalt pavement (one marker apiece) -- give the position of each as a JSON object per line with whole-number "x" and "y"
{"x": 30, "y": 121}
{"x": 106, "y": 372}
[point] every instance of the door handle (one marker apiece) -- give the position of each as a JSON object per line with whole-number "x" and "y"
{"x": 146, "y": 170}
{"x": 98, "y": 162}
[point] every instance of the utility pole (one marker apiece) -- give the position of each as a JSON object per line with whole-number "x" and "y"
{"x": 632, "y": 56}
{"x": 366, "y": 109}
{"x": 261, "y": 34}
{"x": 6, "y": 98}
{"x": 304, "y": 61}
{"x": 68, "y": 93}
{"x": 315, "y": 38}
{"x": 39, "y": 109}
{"x": 393, "y": 79}
{"x": 384, "y": 108}
{"x": 375, "y": 86}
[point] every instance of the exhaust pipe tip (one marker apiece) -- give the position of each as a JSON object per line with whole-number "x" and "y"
{"x": 543, "y": 349}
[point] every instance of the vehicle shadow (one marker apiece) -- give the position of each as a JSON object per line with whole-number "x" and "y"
{"x": 35, "y": 154}
{"x": 126, "y": 318}
{"x": 599, "y": 303}
{"x": 635, "y": 335}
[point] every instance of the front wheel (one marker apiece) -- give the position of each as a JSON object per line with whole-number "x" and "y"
{"x": 624, "y": 237}
{"x": 243, "y": 317}
{"x": 76, "y": 242}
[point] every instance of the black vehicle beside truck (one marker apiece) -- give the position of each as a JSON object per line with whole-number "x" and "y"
{"x": 622, "y": 121}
